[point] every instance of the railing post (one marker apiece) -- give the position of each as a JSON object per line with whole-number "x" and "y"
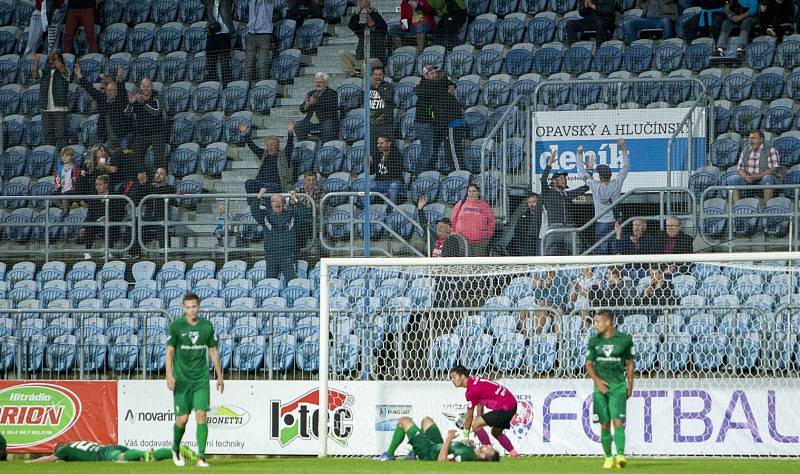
{"x": 106, "y": 220}
{"x": 47, "y": 230}
{"x": 166, "y": 230}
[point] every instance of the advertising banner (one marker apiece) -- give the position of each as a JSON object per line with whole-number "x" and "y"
{"x": 34, "y": 416}
{"x": 646, "y": 133}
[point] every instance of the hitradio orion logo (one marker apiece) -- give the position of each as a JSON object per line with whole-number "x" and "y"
{"x": 299, "y": 418}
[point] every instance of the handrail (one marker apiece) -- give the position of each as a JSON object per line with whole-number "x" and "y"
{"x": 661, "y": 190}
{"x": 709, "y": 136}
{"x": 352, "y": 224}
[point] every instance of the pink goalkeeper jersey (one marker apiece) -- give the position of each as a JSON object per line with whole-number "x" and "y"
{"x": 490, "y": 394}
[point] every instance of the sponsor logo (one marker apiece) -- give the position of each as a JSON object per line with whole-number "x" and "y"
{"x": 522, "y": 422}
{"x": 387, "y": 416}
{"x": 299, "y": 419}
{"x": 34, "y": 413}
{"x": 455, "y": 412}
{"x": 608, "y": 349}
{"x": 223, "y": 417}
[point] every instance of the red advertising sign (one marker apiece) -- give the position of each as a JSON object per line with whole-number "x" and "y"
{"x": 35, "y": 415}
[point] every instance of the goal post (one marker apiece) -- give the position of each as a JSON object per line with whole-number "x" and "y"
{"x": 717, "y": 299}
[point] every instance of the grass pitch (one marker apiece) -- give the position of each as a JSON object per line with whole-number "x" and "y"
{"x": 335, "y": 466}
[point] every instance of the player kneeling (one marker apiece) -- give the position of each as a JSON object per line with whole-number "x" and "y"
{"x": 428, "y": 444}
{"x": 89, "y": 451}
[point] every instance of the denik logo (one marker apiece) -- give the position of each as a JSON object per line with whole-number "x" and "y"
{"x": 31, "y": 414}
{"x": 300, "y": 417}
{"x": 604, "y": 154}
{"x": 523, "y": 420}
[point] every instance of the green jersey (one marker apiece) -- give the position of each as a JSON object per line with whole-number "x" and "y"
{"x": 191, "y": 343}
{"x": 609, "y": 356}
{"x": 462, "y": 452}
{"x": 88, "y": 451}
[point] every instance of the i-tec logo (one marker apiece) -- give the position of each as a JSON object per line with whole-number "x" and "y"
{"x": 300, "y": 417}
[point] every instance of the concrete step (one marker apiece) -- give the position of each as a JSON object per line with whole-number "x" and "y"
{"x": 223, "y": 187}
{"x": 292, "y": 102}
{"x": 232, "y": 176}
{"x": 240, "y": 164}
{"x": 246, "y": 155}
{"x": 265, "y": 132}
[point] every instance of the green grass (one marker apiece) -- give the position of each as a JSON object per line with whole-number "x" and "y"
{"x": 336, "y": 465}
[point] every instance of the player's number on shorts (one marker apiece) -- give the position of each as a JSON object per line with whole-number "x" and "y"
{"x": 500, "y": 389}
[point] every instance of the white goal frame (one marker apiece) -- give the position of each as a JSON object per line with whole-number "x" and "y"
{"x": 326, "y": 263}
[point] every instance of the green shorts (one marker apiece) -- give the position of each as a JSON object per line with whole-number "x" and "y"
{"x": 111, "y": 453}
{"x": 426, "y": 444}
{"x": 190, "y": 396}
{"x": 611, "y": 405}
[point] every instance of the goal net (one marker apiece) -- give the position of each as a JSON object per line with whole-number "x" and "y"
{"x": 715, "y": 346}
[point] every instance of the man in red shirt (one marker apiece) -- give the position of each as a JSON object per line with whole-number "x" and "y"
{"x": 483, "y": 393}
{"x": 445, "y": 243}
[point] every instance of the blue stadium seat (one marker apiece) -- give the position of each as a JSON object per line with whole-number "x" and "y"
{"x": 779, "y": 117}
{"x": 769, "y": 84}
{"x": 208, "y": 128}
{"x": 234, "y": 97}
{"x": 760, "y": 53}
{"x": 638, "y": 57}
{"x": 401, "y": 62}
{"x": 206, "y": 97}
{"x": 460, "y": 60}
{"x": 777, "y": 224}
{"x": 231, "y": 126}
{"x": 482, "y": 30}
{"x": 467, "y": 90}
{"x": 519, "y": 60}
{"x": 194, "y": 38}
{"x": 309, "y": 36}
{"x": 608, "y": 57}
{"x": 787, "y": 54}
{"x": 286, "y": 66}
{"x": 669, "y": 55}
{"x": 190, "y": 11}
{"x": 13, "y": 130}
{"x": 489, "y": 60}
{"x": 284, "y": 31}
{"x": 673, "y": 353}
{"x": 511, "y": 29}
{"x": 284, "y": 349}
{"x": 747, "y": 116}
{"x": 17, "y": 186}
{"x": 443, "y": 352}
{"x": 263, "y": 95}
{"x": 714, "y": 220}
{"x": 431, "y": 55}
{"x": 141, "y": 39}
{"x": 745, "y": 224}
{"x": 645, "y": 350}
{"x": 508, "y": 351}
{"x": 541, "y": 355}
{"x": 496, "y": 91}
{"x": 41, "y": 161}
{"x": 352, "y": 126}
{"x": 124, "y": 353}
{"x": 698, "y": 54}
{"x": 10, "y": 96}
{"x": 173, "y": 67}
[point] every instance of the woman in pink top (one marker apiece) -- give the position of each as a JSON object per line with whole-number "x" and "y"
{"x": 473, "y": 218}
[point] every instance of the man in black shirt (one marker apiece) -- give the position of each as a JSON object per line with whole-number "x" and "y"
{"x": 526, "y": 222}
{"x": 381, "y": 109}
{"x": 111, "y": 125}
{"x": 97, "y": 215}
{"x": 144, "y": 107}
{"x": 351, "y": 63}
{"x": 556, "y": 200}
{"x": 321, "y": 109}
{"x": 388, "y": 169}
{"x": 153, "y": 212}
{"x": 597, "y": 16}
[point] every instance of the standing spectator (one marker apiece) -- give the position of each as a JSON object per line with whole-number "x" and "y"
{"x": 144, "y": 107}
{"x": 604, "y": 193}
{"x": 378, "y": 46}
{"x": 526, "y": 224}
{"x": 97, "y": 214}
{"x": 53, "y": 98}
{"x": 153, "y": 213}
{"x": 743, "y": 15}
{"x": 218, "y": 43}
{"x": 302, "y": 10}
{"x": 141, "y": 188}
{"x": 638, "y": 242}
{"x": 38, "y": 25}
{"x": 388, "y": 168}
{"x": 556, "y": 199}
{"x": 66, "y": 176}
{"x": 99, "y": 163}
{"x": 774, "y": 16}
{"x": 258, "y": 40}
{"x": 381, "y": 109}
{"x": 431, "y": 89}
{"x": 449, "y": 117}
{"x": 656, "y": 14}
{"x": 305, "y": 231}
{"x": 658, "y": 291}
{"x": 446, "y": 243}
{"x": 617, "y": 291}
{"x": 268, "y": 179}
{"x": 280, "y": 235}
{"x": 597, "y": 16}
{"x": 474, "y": 219}
{"x": 673, "y": 241}
{"x": 757, "y": 165}
{"x": 452, "y": 17}
{"x": 321, "y": 109}
{"x": 111, "y": 124}
{"x": 80, "y": 12}
{"x": 416, "y": 21}
{"x": 709, "y": 21}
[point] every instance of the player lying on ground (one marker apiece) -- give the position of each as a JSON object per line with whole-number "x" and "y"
{"x": 485, "y": 393}
{"x": 89, "y": 451}
{"x": 428, "y": 444}
{"x": 609, "y": 363}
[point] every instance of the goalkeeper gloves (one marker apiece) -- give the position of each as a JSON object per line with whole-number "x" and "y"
{"x": 465, "y": 433}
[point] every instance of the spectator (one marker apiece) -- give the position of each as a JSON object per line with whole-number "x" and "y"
{"x": 774, "y": 16}
{"x": 99, "y": 163}
{"x": 37, "y": 25}
{"x": 80, "y": 12}
{"x": 658, "y": 291}
{"x": 219, "y": 229}
{"x": 449, "y": 118}
{"x": 604, "y": 193}
{"x": 638, "y": 242}
{"x": 302, "y": 10}
{"x": 144, "y": 107}
{"x": 431, "y": 89}
{"x": 321, "y": 109}
{"x": 388, "y": 168}
{"x": 66, "y": 176}
{"x": 153, "y": 213}
{"x": 446, "y": 243}
{"x": 378, "y": 45}
{"x": 305, "y": 230}
{"x": 111, "y": 123}
{"x": 581, "y": 289}
{"x": 53, "y": 99}
{"x": 416, "y": 21}
{"x": 474, "y": 219}
{"x": 381, "y": 109}
{"x": 268, "y": 179}
{"x": 258, "y": 40}
{"x": 280, "y": 235}
{"x": 141, "y": 188}
{"x": 526, "y": 224}
{"x": 617, "y": 291}
{"x": 97, "y": 214}
{"x": 757, "y": 165}
{"x": 218, "y": 43}
{"x": 310, "y": 186}
{"x": 656, "y": 14}
{"x": 674, "y": 241}
{"x": 597, "y": 16}
{"x": 452, "y": 17}
{"x": 556, "y": 199}
{"x": 710, "y": 19}
{"x": 743, "y": 15}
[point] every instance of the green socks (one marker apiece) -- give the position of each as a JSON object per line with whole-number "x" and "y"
{"x": 202, "y": 439}
{"x": 134, "y": 455}
{"x": 605, "y": 440}
{"x": 162, "y": 453}
{"x": 177, "y": 436}
{"x": 619, "y": 440}
{"x": 397, "y": 438}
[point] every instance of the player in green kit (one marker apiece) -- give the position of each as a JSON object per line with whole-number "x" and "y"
{"x": 90, "y": 451}
{"x": 428, "y": 445}
{"x": 190, "y": 338}
{"x": 609, "y": 362}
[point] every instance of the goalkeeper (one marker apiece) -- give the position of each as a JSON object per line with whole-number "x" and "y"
{"x": 609, "y": 362}
{"x": 428, "y": 444}
{"x": 90, "y": 451}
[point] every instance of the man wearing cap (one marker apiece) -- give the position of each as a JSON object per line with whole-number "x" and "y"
{"x": 430, "y": 90}
{"x": 556, "y": 199}
{"x": 604, "y": 193}
{"x": 446, "y": 243}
